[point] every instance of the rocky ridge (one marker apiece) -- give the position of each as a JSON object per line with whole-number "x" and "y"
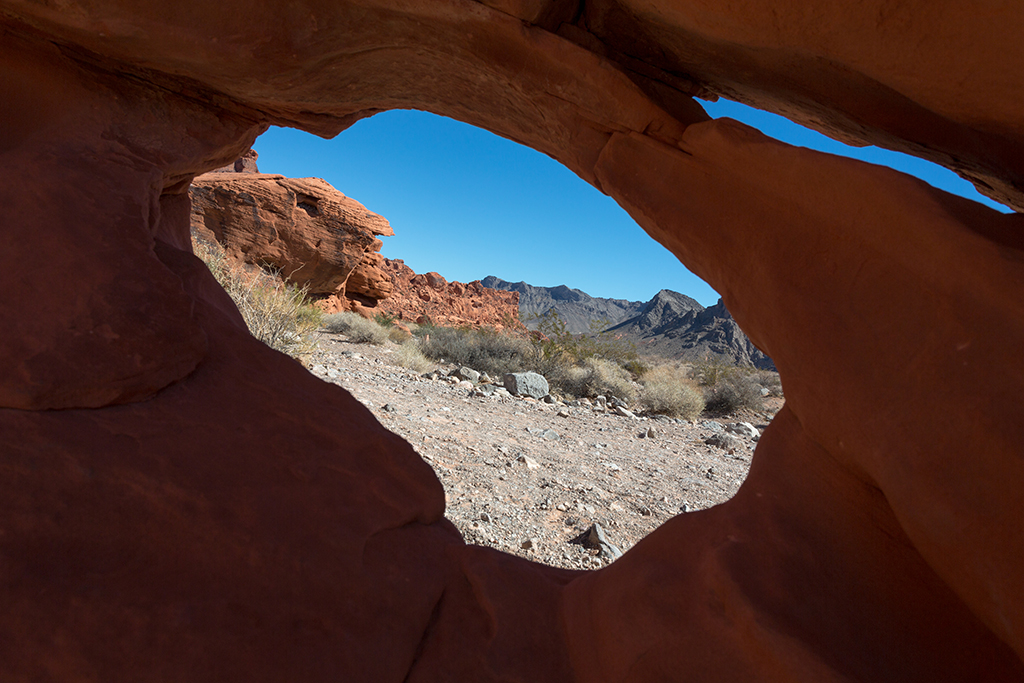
{"x": 670, "y": 325}
{"x": 673, "y": 325}
{"x": 429, "y": 297}
{"x": 575, "y": 307}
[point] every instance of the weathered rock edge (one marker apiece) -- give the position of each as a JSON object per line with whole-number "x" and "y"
{"x": 248, "y": 521}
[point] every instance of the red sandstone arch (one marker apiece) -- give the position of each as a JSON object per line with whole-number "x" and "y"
{"x": 181, "y": 503}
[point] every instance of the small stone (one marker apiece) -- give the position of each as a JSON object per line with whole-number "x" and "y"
{"x": 561, "y": 507}
{"x": 530, "y": 463}
{"x": 549, "y": 435}
{"x": 467, "y": 374}
{"x": 563, "y": 413}
{"x": 623, "y": 412}
{"x": 388, "y": 408}
{"x": 529, "y": 544}
{"x": 548, "y": 399}
{"x": 744, "y": 429}
{"x": 651, "y": 432}
{"x": 597, "y": 538}
{"x": 484, "y": 517}
{"x": 724, "y": 441}
{"x": 526, "y": 384}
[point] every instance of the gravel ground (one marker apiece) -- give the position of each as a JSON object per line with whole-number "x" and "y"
{"x": 531, "y": 478}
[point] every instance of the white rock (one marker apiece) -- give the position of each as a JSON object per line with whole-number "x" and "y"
{"x": 530, "y": 463}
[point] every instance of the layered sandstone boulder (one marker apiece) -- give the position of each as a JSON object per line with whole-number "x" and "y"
{"x": 181, "y": 503}
{"x": 302, "y": 228}
{"x": 429, "y": 297}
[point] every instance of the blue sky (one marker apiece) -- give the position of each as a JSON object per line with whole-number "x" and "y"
{"x": 466, "y": 203}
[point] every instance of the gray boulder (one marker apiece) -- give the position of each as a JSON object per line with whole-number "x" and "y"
{"x": 526, "y": 384}
{"x": 467, "y": 374}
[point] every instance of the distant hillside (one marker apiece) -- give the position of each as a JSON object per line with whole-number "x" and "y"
{"x": 574, "y": 307}
{"x": 673, "y": 325}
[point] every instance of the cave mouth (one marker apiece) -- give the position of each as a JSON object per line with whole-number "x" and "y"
{"x": 473, "y": 211}
{"x": 523, "y": 476}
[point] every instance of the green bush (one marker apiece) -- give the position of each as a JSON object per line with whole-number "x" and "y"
{"x": 735, "y": 391}
{"x": 278, "y": 314}
{"x": 593, "y": 377}
{"x": 484, "y": 350}
{"x": 357, "y": 328}
{"x": 668, "y": 391}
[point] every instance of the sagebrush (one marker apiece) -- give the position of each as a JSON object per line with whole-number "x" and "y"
{"x": 277, "y": 313}
{"x": 357, "y": 328}
{"x": 593, "y": 377}
{"x": 484, "y": 350}
{"x": 669, "y": 391}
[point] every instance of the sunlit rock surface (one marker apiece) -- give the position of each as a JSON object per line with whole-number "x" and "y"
{"x": 302, "y": 228}
{"x": 181, "y": 503}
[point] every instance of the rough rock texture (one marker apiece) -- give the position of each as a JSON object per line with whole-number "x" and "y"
{"x": 181, "y": 503}
{"x": 302, "y": 227}
{"x": 430, "y": 297}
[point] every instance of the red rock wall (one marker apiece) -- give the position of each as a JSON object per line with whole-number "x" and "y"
{"x": 450, "y": 304}
{"x": 303, "y": 228}
{"x": 178, "y": 502}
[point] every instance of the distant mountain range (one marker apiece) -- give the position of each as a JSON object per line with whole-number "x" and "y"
{"x": 577, "y": 309}
{"x": 671, "y": 325}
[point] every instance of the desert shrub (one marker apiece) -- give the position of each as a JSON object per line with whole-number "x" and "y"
{"x": 484, "y": 350}
{"x": 709, "y": 373}
{"x": 735, "y": 391}
{"x": 399, "y": 335}
{"x": 408, "y": 355}
{"x": 593, "y": 377}
{"x": 278, "y": 314}
{"x": 562, "y": 346}
{"x": 357, "y": 328}
{"x": 668, "y": 391}
{"x": 770, "y": 380}
{"x": 385, "y": 319}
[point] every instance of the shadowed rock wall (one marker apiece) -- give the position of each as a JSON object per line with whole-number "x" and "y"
{"x": 180, "y": 502}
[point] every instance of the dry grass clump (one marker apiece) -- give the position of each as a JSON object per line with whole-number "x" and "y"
{"x": 399, "y": 335}
{"x": 669, "y": 391}
{"x": 357, "y": 328}
{"x": 484, "y": 350}
{"x": 733, "y": 392}
{"x": 408, "y": 355}
{"x": 593, "y": 377}
{"x": 278, "y": 314}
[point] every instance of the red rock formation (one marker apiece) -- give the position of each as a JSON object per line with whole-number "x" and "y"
{"x": 302, "y": 227}
{"x": 450, "y": 304}
{"x": 243, "y": 164}
{"x": 179, "y": 502}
